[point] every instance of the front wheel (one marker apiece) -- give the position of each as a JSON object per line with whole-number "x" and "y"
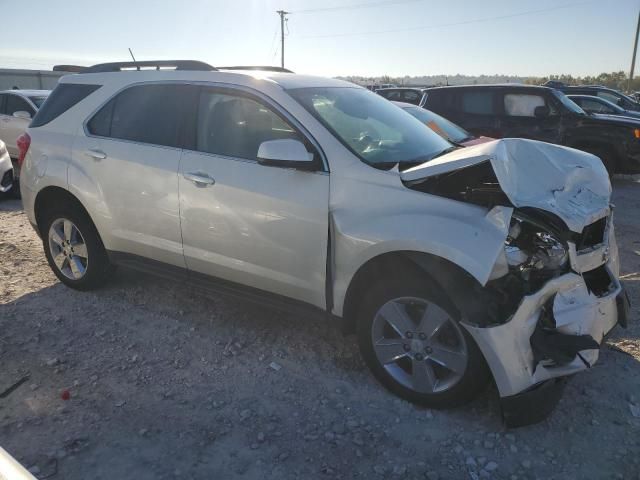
{"x": 413, "y": 342}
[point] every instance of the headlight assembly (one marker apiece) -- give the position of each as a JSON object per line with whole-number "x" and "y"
{"x": 531, "y": 249}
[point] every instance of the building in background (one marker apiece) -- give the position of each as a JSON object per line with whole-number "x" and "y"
{"x": 29, "y": 79}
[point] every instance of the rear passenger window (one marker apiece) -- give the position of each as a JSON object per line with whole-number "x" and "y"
{"x": 145, "y": 113}
{"x": 17, "y": 104}
{"x": 235, "y": 126}
{"x": 522, "y": 105}
{"x": 478, "y": 102}
{"x": 63, "y": 97}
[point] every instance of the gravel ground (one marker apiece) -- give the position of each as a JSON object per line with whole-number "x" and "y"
{"x": 165, "y": 383}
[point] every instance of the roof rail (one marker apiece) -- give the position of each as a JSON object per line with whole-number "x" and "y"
{"x": 265, "y": 68}
{"x": 68, "y": 68}
{"x": 193, "y": 65}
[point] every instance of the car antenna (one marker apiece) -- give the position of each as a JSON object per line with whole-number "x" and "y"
{"x": 134, "y": 59}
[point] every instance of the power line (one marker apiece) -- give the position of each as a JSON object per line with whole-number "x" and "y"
{"x": 453, "y": 24}
{"x": 356, "y": 6}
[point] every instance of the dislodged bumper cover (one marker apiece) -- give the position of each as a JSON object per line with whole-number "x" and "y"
{"x": 569, "y": 183}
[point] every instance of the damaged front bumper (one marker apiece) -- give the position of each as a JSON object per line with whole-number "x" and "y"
{"x": 555, "y": 332}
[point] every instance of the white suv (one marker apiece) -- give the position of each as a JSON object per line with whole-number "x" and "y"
{"x": 451, "y": 264}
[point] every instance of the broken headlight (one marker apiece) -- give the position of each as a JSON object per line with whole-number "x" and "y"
{"x": 533, "y": 250}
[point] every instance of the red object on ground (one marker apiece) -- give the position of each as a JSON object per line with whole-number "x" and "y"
{"x": 65, "y": 395}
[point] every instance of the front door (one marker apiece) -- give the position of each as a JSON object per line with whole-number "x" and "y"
{"x": 522, "y": 117}
{"x": 260, "y": 226}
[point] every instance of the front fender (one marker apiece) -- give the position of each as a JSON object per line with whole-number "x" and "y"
{"x": 466, "y": 235}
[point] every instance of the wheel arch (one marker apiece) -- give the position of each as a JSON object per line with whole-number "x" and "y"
{"x": 442, "y": 274}
{"x": 52, "y": 196}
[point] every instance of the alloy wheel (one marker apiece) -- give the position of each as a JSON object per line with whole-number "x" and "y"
{"x": 419, "y": 344}
{"x": 68, "y": 249}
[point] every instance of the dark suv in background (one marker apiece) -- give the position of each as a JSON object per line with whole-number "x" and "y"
{"x": 539, "y": 113}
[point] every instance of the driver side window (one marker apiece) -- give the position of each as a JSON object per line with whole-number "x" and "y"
{"x": 235, "y": 125}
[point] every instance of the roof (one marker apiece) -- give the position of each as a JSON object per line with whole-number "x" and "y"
{"x": 291, "y": 80}
{"x": 29, "y": 93}
{"x": 494, "y": 85}
{"x": 285, "y": 80}
{"x": 420, "y": 89}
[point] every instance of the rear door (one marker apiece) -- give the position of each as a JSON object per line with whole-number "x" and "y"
{"x": 255, "y": 225}
{"x": 519, "y": 118}
{"x": 131, "y": 150}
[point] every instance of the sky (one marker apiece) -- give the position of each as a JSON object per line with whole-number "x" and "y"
{"x": 330, "y": 37}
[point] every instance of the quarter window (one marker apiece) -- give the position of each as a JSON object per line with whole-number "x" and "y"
{"x": 63, "y": 97}
{"x": 522, "y": 104}
{"x": 235, "y": 125}
{"x": 146, "y": 114}
{"x": 480, "y": 103}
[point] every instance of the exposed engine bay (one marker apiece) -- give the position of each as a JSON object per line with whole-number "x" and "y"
{"x": 553, "y": 293}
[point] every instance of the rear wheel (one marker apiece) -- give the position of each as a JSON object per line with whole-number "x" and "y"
{"x": 411, "y": 339}
{"x": 74, "y": 250}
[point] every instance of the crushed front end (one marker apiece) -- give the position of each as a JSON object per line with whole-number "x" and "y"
{"x": 553, "y": 293}
{"x": 560, "y": 297}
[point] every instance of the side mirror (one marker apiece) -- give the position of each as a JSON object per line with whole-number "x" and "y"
{"x": 22, "y": 114}
{"x": 541, "y": 111}
{"x": 286, "y": 153}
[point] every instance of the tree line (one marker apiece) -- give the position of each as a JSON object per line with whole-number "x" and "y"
{"x": 615, "y": 80}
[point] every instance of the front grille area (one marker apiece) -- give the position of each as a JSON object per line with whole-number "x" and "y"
{"x": 7, "y": 179}
{"x": 592, "y": 235}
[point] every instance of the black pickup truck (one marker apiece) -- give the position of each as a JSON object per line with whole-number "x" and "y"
{"x": 540, "y": 113}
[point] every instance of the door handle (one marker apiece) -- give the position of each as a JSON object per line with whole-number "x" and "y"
{"x": 200, "y": 179}
{"x": 97, "y": 154}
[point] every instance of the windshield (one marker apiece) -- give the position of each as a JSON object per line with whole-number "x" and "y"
{"x": 38, "y": 101}
{"x": 373, "y": 128}
{"x": 442, "y": 126}
{"x": 568, "y": 103}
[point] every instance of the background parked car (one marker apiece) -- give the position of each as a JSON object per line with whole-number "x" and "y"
{"x": 17, "y": 108}
{"x": 620, "y": 99}
{"x": 414, "y": 96}
{"x": 540, "y": 113}
{"x": 6, "y": 171}
{"x": 591, "y": 104}
{"x": 443, "y": 127}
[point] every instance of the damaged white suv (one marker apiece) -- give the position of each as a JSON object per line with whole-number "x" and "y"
{"x": 452, "y": 264}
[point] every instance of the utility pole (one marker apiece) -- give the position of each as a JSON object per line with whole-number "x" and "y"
{"x": 635, "y": 50}
{"x": 283, "y": 17}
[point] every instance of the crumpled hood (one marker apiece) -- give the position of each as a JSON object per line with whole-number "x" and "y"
{"x": 569, "y": 183}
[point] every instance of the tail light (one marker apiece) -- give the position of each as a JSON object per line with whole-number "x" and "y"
{"x": 23, "y": 142}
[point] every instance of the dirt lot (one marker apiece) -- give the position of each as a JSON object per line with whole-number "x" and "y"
{"x": 165, "y": 383}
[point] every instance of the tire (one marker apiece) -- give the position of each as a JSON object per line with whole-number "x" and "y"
{"x": 84, "y": 264}
{"x": 417, "y": 373}
{"x": 15, "y": 189}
